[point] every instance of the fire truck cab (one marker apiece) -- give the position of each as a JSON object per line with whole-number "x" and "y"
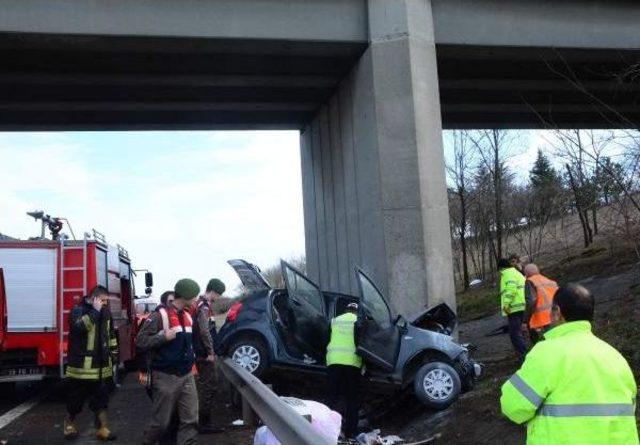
{"x": 40, "y": 282}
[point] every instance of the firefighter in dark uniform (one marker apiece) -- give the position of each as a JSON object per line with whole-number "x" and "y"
{"x": 93, "y": 349}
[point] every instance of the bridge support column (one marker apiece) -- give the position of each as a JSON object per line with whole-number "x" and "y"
{"x": 373, "y": 168}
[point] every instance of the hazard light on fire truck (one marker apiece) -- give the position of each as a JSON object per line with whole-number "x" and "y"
{"x": 41, "y": 279}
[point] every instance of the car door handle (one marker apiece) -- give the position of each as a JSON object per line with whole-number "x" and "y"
{"x": 296, "y": 302}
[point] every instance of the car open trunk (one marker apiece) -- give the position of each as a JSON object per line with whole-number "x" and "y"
{"x": 439, "y": 318}
{"x": 250, "y": 275}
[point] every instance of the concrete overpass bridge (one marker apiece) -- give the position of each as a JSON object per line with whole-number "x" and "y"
{"x": 369, "y": 83}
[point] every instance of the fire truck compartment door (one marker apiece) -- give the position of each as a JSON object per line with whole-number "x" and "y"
{"x": 30, "y": 285}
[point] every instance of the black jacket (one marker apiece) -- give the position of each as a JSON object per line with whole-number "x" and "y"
{"x": 93, "y": 345}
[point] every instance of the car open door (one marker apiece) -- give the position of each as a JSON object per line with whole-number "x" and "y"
{"x": 250, "y": 275}
{"x": 378, "y": 336}
{"x": 308, "y": 321}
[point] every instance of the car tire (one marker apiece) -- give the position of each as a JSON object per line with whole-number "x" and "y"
{"x": 251, "y": 354}
{"x": 437, "y": 385}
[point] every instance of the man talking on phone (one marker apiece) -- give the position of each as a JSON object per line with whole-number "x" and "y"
{"x": 93, "y": 349}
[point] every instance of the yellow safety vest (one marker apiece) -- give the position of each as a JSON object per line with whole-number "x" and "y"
{"x": 573, "y": 389}
{"x": 512, "y": 291}
{"x": 342, "y": 347}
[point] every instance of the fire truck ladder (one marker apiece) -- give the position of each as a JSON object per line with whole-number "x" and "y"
{"x": 66, "y": 247}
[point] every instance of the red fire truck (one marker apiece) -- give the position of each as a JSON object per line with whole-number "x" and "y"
{"x": 41, "y": 279}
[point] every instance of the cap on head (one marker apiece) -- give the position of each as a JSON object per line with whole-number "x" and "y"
{"x": 187, "y": 289}
{"x": 503, "y": 263}
{"x": 352, "y": 307}
{"x": 216, "y": 285}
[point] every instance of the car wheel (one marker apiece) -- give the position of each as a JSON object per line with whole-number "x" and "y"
{"x": 437, "y": 385}
{"x": 251, "y": 354}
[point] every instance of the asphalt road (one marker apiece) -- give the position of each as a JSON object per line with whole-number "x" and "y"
{"x": 11, "y": 396}
{"x": 129, "y": 410}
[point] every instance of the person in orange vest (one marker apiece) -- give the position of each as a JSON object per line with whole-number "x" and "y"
{"x": 539, "y": 291}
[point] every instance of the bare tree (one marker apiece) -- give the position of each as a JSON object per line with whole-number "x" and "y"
{"x": 460, "y": 172}
{"x": 495, "y": 147}
{"x": 273, "y": 273}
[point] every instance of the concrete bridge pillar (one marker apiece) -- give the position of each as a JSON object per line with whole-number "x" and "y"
{"x": 373, "y": 177}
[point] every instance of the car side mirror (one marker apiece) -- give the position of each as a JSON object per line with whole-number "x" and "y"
{"x": 148, "y": 279}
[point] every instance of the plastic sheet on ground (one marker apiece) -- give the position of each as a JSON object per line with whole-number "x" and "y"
{"x": 323, "y": 420}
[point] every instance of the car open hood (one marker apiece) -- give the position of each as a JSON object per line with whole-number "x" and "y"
{"x": 250, "y": 275}
{"x": 439, "y": 318}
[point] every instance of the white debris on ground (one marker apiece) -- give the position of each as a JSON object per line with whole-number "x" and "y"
{"x": 374, "y": 438}
{"x": 238, "y": 422}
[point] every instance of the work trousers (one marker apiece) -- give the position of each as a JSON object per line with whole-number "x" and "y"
{"x": 173, "y": 394}
{"x": 344, "y": 386}
{"x": 206, "y": 384}
{"x": 517, "y": 336}
{"x": 79, "y": 391}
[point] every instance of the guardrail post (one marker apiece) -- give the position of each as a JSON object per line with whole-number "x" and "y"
{"x": 248, "y": 415}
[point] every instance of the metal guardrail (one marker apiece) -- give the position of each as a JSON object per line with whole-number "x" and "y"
{"x": 285, "y": 423}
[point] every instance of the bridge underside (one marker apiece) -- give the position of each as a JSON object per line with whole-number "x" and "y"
{"x": 369, "y": 84}
{"x": 64, "y": 82}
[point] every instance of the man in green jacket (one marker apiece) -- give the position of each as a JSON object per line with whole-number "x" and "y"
{"x": 513, "y": 304}
{"x": 343, "y": 368}
{"x": 573, "y": 388}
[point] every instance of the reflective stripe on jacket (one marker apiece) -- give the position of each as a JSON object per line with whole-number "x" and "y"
{"x": 511, "y": 291}
{"x": 573, "y": 388}
{"x": 342, "y": 347}
{"x": 545, "y": 290}
{"x": 93, "y": 346}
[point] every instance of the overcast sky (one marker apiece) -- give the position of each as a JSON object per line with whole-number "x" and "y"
{"x": 182, "y": 203}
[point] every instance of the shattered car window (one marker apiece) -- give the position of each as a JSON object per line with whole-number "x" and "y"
{"x": 374, "y": 303}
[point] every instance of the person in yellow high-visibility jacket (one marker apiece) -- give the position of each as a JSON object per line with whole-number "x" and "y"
{"x": 512, "y": 302}
{"x": 573, "y": 388}
{"x": 343, "y": 368}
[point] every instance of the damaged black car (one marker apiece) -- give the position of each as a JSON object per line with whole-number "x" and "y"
{"x": 288, "y": 328}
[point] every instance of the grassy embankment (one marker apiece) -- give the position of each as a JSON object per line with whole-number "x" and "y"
{"x": 592, "y": 261}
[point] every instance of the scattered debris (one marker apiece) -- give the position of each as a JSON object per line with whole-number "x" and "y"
{"x": 391, "y": 440}
{"x": 374, "y": 438}
{"x": 238, "y": 422}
